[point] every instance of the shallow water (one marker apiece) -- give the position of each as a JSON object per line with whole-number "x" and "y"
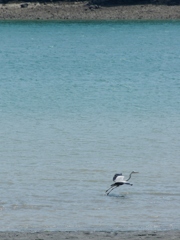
{"x": 80, "y": 102}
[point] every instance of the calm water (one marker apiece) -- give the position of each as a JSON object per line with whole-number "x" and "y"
{"x": 78, "y": 103}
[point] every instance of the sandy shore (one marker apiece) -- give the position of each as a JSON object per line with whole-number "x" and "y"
{"x": 83, "y": 11}
{"x": 134, "y": 235}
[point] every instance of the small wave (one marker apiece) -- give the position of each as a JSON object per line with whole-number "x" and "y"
{"x": 157, "y": 193}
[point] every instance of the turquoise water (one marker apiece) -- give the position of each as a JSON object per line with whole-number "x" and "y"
{"x": 79, "y": 102}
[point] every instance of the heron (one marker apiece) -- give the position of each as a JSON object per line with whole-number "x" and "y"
{"x": 119, "y": 180}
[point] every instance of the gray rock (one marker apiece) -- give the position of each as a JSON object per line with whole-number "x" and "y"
{"x": 23, "y": 5}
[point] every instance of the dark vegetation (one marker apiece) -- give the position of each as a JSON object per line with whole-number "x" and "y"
{"x": 135, "y": 2}
{"x": 106, "y": 2}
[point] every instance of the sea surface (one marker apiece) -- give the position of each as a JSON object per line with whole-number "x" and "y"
{"x": 79, "y": 102}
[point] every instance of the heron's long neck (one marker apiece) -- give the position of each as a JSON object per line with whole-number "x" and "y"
{"x": 129, "y": 176}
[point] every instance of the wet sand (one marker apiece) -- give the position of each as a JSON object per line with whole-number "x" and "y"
{"x": 85, "y": 235}
{"x": 84, "y": 11}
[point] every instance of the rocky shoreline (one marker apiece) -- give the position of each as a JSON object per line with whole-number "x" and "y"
{"x": 85, "y": 235}
{"x": 85, "y": 11}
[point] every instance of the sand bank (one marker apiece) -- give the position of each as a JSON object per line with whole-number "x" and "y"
{"x": 84, "y": 11}
{"x": 132, "y": 235}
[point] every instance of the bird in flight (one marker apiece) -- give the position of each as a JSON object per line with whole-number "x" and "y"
{"x": 118, "y": 181}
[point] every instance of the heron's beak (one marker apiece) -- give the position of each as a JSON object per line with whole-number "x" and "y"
{"x": 136, "y": 172}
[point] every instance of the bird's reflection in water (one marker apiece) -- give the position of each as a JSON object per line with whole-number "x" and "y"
{"x": 120, "y": 195}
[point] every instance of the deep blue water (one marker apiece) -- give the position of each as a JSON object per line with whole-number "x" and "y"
{"x": 79, "y": 102}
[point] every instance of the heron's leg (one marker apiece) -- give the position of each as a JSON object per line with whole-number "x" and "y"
{"x": 111, "y": 189}
{"x": 108, "y": 189}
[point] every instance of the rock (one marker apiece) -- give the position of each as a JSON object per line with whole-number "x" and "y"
{"x": 92, "y": 7}
{"x": 24, "y": 5}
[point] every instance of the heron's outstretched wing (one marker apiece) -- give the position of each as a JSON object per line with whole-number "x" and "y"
{"x": 119, "y": 179}
{"x": 116, "y": 175}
